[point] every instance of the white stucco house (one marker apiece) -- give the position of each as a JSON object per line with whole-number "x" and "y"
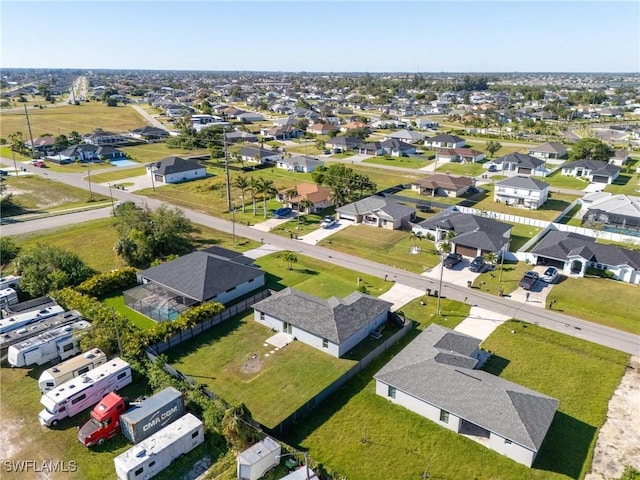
{"x": 437, "y": 376}
{"x": 175, "y": 170}
{"x": 299, "y": 163}
{"x": 377, "y": 211}
{"x": 592, "y": 170}
{"x": 334, "y": 326}
{"x": 444, "y": 141}
{"x": 520, "y": 191}
{"x": 259, "y": 155}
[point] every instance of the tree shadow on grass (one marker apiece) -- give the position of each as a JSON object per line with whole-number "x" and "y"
{"x": 566, "y": 446}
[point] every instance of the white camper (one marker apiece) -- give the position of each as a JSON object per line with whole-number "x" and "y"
{"x": 10, "y": 281}
{"x": 258, "y": 459}
{"x": 20, "y": 320}
{"x": 58, "y": 343}
{"x": 72, "y": 368}
{"x": 8, "y": 296}
{"x": 84, "y": 391}
{"x": 156, "y": 453}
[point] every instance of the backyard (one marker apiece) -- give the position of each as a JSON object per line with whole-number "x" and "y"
{"x": 355, "y": 423}
{"x": 405, "y": 162}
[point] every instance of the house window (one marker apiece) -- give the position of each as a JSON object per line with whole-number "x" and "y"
{"x": 392, "y": 392}
{"x": 507, "y": 441}
{"x": 262, "y": 316}
{"x": 444, "y": 416}
{"x": 325, "y": 343}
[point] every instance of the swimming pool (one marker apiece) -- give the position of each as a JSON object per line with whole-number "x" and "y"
{"x": 122, "y": 163}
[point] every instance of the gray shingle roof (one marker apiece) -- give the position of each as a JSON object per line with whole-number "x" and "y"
{"x": 471, "y": 230}
{"x": 385, "y": 207}
{"x": 175, "y": 164}
{"x": 520, "y": 159}
{"x": 334, "y": 319}
{"x": 445, "y": 138}
{"x": 549, "y": 147}
{"x": 201, "y": 275}
{"x": 498, "y": 405}
{"x": 595, "y": 166}
{"x": 524, "y": 182}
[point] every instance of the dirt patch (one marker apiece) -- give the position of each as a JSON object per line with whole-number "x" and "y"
{"x": 618, "y": 443}
{"x": 12, "y": 438}
{"x": 253, "y": 364}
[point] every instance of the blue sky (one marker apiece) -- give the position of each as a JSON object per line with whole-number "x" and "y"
{"x": 373, "y": 36}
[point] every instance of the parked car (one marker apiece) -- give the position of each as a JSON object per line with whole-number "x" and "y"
{"x": 328, "y": 222}
{"x": 283, "y": 212}
{"x": 473, "y": 190}
{"x": 452, "y": 259}
{"x": 477, "y": 265}
{"x": 529, "y": 280}
{"x": 550, "y": 275}
{"x": 493, "y": 168}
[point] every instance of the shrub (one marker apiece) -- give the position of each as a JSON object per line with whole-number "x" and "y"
{"x": 598, "y": 272}
{"x": 105, "y": 283}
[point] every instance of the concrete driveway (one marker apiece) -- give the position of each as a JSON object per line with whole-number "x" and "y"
{"x": 481, "y": 323}
{"x": 400, "y": 295}
{"x": 322, "y": 233}
{"x": 270, "y": 223}
{"x": 459, "y": 274}
{"x": 537, "y": 295}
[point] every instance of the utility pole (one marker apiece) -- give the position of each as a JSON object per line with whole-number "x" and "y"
{"x": 89, "y": 171}
{"x": 15, "y": 165}
{"x": 115, "y": 324}
{"x": 226, "y": 169}
{"x": 33, "y": 151}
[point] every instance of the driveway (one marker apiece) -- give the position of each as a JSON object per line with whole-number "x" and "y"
{"x": 537, "y": 295}
{"x": 400, "y": 295}
{"x": 322, "y": 233}
{"x": 481, "y": 323}
{"x": 458, "y": 275}
{"x": 261, "y": 251}
{"x": 140, "y": 182}
{"x": 267, "y": 225}
{"x": 357, "y": 158}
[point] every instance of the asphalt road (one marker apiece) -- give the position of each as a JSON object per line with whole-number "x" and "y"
{"x": 553, "y": 320}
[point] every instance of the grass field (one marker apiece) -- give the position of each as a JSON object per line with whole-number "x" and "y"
{"x": 489, "y": 282}
{"x": 556, "y": 179}
{"x": 405, "y": 162}
{"x": 153, "y": 152}
{"x": 115, "y": 175}
{"x": 456, "y": 168}
{"x": 389, "y": 247}
{"x": 607, "y": 302}
{"x": 521, "y": 234}
{"x": 116, "y": 301}
{"x": 356, "y": 424}
{"x": 33, "y": 194}
{"x": 83, "y": 118}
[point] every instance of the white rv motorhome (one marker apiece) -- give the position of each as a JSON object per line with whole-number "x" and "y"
{"x": 8, "y": 296}
{"x": 17, "y": 321}
{"x": 10, "y": 281}
{"x": 40, "y": 326}
{"x": 156, "y": 453}
{"x": 58, "y": 343}
{"x": 65, "y": 371}
{"x": 84, "y": 391}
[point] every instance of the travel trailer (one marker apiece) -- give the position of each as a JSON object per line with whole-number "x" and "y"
{"x": 8, "y": 296}
{"x": 72, "y": 368}
{"x": 17, "y": 321}
{"x": 80, "y": 393}
{"x": 58, "y": 343}
{"x": 156, "y": 453}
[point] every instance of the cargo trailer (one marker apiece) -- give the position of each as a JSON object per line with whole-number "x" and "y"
{"x": 74, "y": 367}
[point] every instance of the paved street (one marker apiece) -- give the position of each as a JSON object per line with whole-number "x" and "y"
{"x": 554, "y": 320}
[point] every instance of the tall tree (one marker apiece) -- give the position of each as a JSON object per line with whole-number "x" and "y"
{"x": 254, "y": 186}
{"x": 492, "y": 147}
{"x": 591, "y": 148}
{"x": 242, "y": 183}
{"x": 266, "y": 189}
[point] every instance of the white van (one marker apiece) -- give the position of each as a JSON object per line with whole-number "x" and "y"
{"x": 72, "y": 368}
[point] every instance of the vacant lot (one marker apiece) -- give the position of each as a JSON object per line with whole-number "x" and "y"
{"x": 406, "y": 162}
{"x": 389, "y": 247}
{"x": 83, "y": 118}
{"x": 357, "y": 424}
{"x": 490, "y": 282}
{"x": 154, "y": 152}
{"x": 33, "y": 194}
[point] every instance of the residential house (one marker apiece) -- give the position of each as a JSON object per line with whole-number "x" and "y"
{"x": 407, "y": 136}
{"x": 444, "y": 142}
{"x": 426, "y": 123}
{"x": 334, "y": 325}
{"x": 149, "y": 134}
{"x": 619, "y": 158}
{"x": 438, "y": 376}
{"x": 284, "y": 122}
{"x": 87, "y": 153}
{"x": 616, "y": 211}
{"x": 575, "y": 254}
{"x": 240, "y": 136}
{"x": 377, "y": 211}
{"x": 475, "y": 235}
{"x": 520, "y": 163}
{"x": 462, "y": 155}
{"x": 442, "y": 185}
{"x": 42, "y": 144}
{"x": 248, "y": 117}
{"x": 397, "y": 148}
{"x": 322, "y": 128}
{"x": 592, "y": 170}
{"x": 372, "y": 148}
{"x": 343, "y": 144}
{"x": 100, "y": 137}
{"x": 175, "y": 170}
{"x": 319, "y": 196}
{"x": 259, "y": 155}
{"x": 212, "y": 275}
{"x": 521, "y": 191}
{"x": 285, "y": 132}
{"x": 552, "y": 152}
{"x": 299, "y": 163}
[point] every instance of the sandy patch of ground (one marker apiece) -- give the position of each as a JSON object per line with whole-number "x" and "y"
{"x": 12, "y": 438}
{"x": 253, "y": 364}
{"x": 618, "y": 443}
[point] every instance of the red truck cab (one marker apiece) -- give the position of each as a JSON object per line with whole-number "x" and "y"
{"x": 105, "y": 421}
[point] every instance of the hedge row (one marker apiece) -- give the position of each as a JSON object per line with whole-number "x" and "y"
{"x": 105, "y": 283}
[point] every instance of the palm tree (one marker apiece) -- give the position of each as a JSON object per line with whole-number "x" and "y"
{"x": 290, "y": 258}
{"x": 491, "y": 257}
{"x": 266, "y": 188}
{"x": 339, "y": 196}
{"x": 306, "y": 204}
{"x": 254, "y": 184}
{"x": 243, "y": 184}
{"x": 415, "y": 236}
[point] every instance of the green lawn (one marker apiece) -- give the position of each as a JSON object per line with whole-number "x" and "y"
{"x": 456, "y": 168}
{"x": 358, "y": 434}
{"x": 302, "y": 225}
{"x": 406, "y": 162}
{"x": 489, "y": 282}
{"x": 83, "y": 118}
{"x": 556, "y": 179}
{"x": 607, "y": 302}
{"x": 389, "y": 247}
{"x": 286, "y": 378}
{"x": 625, "y": 184}
{"x": 386, "y": 178}
{"x": 481, "y": 145}
{"x": 34, "y": 194}
{"x": 521, "y": 234}
{"x": 570, "y": 216}
{"x": 116, "y": 301}
{"x": 153, "y": 152}
{"x": 116, "y": 175}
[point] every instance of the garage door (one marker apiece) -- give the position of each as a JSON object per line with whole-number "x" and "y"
{"x": 550, "y": 262}
{"x": 466, "y": 251}
{"x": 524, "y": 170}
{"x": 600, "y": 179}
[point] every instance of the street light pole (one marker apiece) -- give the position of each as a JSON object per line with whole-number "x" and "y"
{"x": 89, "y": 172}
{"x": 153, "y": 183}
{"x": 15, "y": 165}
{"x": 233, "y": 225}
{"x": 502, "y": 261}
{"x": 440, "y": 286}
{"x": 113, "y": 208}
